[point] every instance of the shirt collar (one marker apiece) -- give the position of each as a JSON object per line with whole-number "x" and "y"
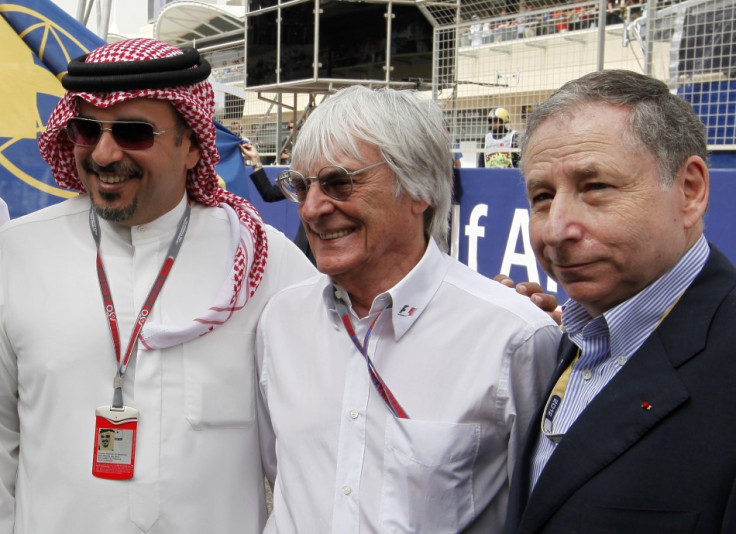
{"x": 408, "y": 298}
{"x": 156, "y": 229}
{"x": 163, "y": 226}
{"x": 412, "y": 294}
{"x": 631, "y": 322}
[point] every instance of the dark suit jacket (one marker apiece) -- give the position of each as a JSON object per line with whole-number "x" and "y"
{"x": 623, "y": 469}
{"x": 271, "y": 192}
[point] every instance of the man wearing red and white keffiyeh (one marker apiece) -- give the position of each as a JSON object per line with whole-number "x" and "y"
{"x": 195, "y": 103}
{"x": 145, "y": 289}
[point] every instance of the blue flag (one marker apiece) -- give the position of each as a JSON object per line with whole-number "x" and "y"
{"x": 39, "y": 39}
{"x": 231, "y": 169}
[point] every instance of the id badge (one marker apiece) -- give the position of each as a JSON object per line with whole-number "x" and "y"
{"x": 114, "y": 444}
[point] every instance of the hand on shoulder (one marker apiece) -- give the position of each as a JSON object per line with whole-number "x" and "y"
{"x": 536, "y": 294}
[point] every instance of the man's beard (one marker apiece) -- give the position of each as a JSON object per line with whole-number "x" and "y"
{"x": 115, "y": 215}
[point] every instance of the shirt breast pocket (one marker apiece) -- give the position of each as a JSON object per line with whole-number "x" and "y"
{"x": 428, "y": 476}
{"x": 219, "y": 380}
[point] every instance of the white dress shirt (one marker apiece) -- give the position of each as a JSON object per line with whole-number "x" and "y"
{"x": 466, "y": 357}
{"x": 197, "y": 462}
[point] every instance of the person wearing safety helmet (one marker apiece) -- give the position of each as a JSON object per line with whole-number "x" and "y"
{"x": 500, "y": 144}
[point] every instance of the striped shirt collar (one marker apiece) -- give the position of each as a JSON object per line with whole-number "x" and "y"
{"x": 631, "y": 322}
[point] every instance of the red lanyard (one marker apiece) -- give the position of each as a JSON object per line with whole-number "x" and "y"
{"x": 143, "y": 314}
{"x": 383, "y": 390}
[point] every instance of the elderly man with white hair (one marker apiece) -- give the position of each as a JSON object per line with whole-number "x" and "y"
{"x": 398, "y": 383}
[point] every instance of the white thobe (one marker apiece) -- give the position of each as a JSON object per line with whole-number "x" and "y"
{"x": 197, "y": 462}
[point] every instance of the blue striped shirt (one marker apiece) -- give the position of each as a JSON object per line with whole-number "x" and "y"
{"x": 606, "y": 342}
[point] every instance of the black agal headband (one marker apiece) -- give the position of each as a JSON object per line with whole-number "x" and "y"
{"x": 184, "y": 69}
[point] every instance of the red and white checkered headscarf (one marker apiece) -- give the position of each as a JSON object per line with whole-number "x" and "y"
{"x": 195, "y": 102}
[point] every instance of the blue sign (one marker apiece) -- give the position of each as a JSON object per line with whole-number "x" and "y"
{"x": 494, "y": 222}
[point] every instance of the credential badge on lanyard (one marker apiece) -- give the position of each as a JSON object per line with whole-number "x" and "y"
{"x": 116, "y": 425}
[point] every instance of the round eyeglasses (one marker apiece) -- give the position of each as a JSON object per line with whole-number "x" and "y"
{"x": 129, "y": 135}
{"x": 336, "y": 182}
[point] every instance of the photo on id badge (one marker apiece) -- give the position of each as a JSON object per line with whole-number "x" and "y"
{"x": 114, "y": 446}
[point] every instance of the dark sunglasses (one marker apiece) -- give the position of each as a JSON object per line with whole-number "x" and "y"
{"x": 129, "y": 135}
{"x": 336, "y": 182}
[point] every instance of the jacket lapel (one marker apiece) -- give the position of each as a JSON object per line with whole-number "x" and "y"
{"x": 613, "y": 422}
{"x": 519, "y": 491}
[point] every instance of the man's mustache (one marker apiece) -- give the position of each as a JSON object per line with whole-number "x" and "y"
{"x": 120, "y": 169}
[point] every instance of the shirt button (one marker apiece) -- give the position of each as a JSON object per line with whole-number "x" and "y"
{"x": 354, "y": 414}
{"x": 587, "y": 374}
{"x": 142, "y": 229}
{"x": 347, "y": 490}
{"x": 621, "y": 360}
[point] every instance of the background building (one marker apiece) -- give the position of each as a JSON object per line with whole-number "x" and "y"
{"x": 274, "y": 60}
